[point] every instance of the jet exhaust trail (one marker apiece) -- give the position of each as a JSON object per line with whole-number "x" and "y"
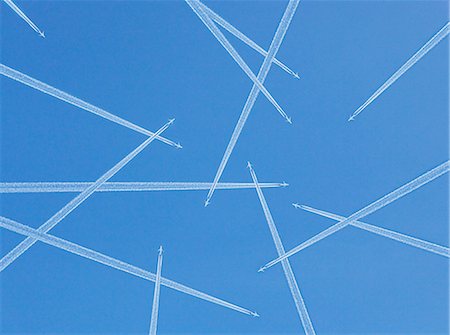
{"x": 50, "y": 187}
{"x": 369, "y": 209}
{"x": 233, "y": 53}
{"x": 226, "y": 25}
{"x": 290, "y": 277}
{"x": 409, "y": 240}
{"x": 112, "y": 262}
{"x": 405, "y": 67}
{"x": 155, "y": 306}
{"x": 263, "y": 72}
{"x": 78, "y": 200}
{"x": 24, "y": 17}
{"x": 40, "y": 86}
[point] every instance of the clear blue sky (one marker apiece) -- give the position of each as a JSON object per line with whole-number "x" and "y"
{"x": 148, "y": 61}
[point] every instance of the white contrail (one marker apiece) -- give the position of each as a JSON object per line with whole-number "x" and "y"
{"x": 78, "y": 200}
{"x": 40, "y": 86}
{"x": 293, "y": 286}
{"x": 112, "y": 262}
{"x": 233, "y": 30}
{"x": 51, "y": 187}
{"x": 233, "y": 53}
{"x": 413, "y": 60}
{"x": 24, "y": 17}
{"x": 412, "y": 241}
{"x": 155, "y": 306}
{"x": 374, "y": 206}
{"x": 263, "y": 71}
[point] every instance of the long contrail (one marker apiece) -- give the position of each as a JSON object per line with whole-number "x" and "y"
{"x": 412, "y": 241}
{"x": 155, "y": 306}
{"x": 40, "y": 86}
{"x": 293, "y": 286}
{"x": 24, "y": 17}
{"x": 263, "y": 71}
{"x": 53, "y": 187}
{"x": 78, "y": 200}
{"x": 112, "y": 262}
{"x": 194, "y": 4}
{"x": 236, "y": 32}
{"x": 413, "y": 60}
{"x": 374, "y": 206}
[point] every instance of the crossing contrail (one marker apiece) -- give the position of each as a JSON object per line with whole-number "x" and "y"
{"x": 24, "y": 17}
{"x": 233, "y": 30}
{"x": 194, "y": 4}
{"x": 40, "y": 86}
{"x": 155, "y": 306}
{"x": 263, "y": 71}
{"x": 374, "y": 206}
{"x": 113, "y": 263}
{"x": 53, "y": 187}
{"x": 413, "y": 60}
{"x": 412, "y": 241}
{"x": 293, "y": 286}
{"x": 78, "y": 200}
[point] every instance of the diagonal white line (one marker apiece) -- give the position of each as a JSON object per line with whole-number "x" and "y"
{"x": 78, "y": 200}
{"x": 374, "y": 206}
{"x": 263, "y": 72}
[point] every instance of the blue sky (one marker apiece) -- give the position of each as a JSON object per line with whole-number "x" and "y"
{"x": 148, "y": 61}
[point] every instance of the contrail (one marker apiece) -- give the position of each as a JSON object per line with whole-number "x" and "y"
{"x": 415, "y": 242}
{"x": 413, "y": 60}
{"x": 24, "y": 17}
{"x": 52, "y": 187}
{"x": 40, "y": 86}
{"x": 233, "y": 30}
{"x": 78, "y": 200}
{"x": 263, "y": 71}
{"x": 112, "y": 262}
{"x": 374, "y": 206}
{"x": 194, "y": 4}
{"x": 155, "y": 306}
{"x": 295, "y": 291}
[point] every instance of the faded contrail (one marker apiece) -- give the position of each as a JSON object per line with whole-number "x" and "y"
{"x": 233, "y": 30}
{"x": 155, "y": 306}
{"x": 40, "y": 86}
{"x": 78, "y": 200}
{"x": 194, "y": 4}
{"x": 112, "y": 262}
{"x": 413, "y": 60}
{"x": 263, "y": 71}
{"x": 293, "y": 286}
{"x": 380, "y": 203}
{"x": 50, "y": 187}
{"x": 415, "y": 242}
{"x": 24, "y": 17}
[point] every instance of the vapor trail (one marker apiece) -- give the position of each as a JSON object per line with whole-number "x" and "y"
{"x": 263, "y": 71}
{"x": 412, "y": 241}
{"x": 40, "y": 86}
{"x": 226, "y": 25}
{"x": 413, "y": 60}
{"x": 293, "y": 286}
{"x": 24, "y": 17}
{"x": 194, "y": 4}
{"x": 112, "y": 262}
{"x": 78, "y": 200}
{"x": 155, "y": 306}
{"x": 380, "y": 203}
{"x": 50, "y": 187}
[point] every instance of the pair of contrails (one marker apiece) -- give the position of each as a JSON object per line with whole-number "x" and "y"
{"x": 344, "y": 222}
{"x": 19, "y": 12}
